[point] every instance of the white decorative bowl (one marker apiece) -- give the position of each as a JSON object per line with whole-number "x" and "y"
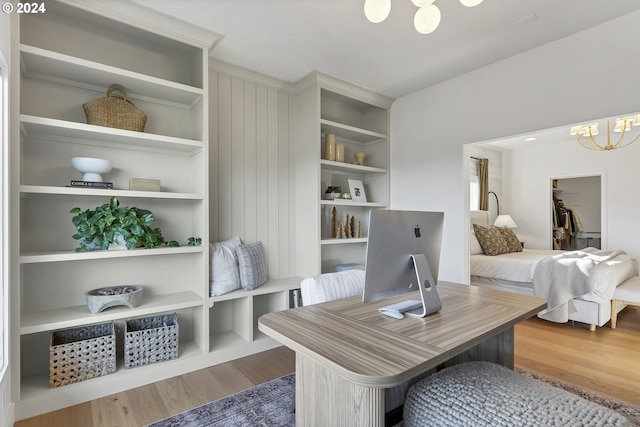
{"x": 110, "y": 296}
{"x": 91, "y": 167}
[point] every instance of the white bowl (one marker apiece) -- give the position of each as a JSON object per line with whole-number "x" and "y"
{"x": 92, "y": 168}
{"x": 111, "y": 296}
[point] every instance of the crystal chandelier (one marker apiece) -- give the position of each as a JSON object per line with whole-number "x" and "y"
{"x": 427, "y": 17}
{"x": 585, "y": 133}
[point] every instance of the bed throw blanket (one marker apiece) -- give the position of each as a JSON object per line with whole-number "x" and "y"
{"x": 559, "y": 278}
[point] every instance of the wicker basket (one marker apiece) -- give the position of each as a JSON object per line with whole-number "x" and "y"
{"x": 150, "y": 340}
{"x": 115, "y": 111}
{"x": 79, "y": 354}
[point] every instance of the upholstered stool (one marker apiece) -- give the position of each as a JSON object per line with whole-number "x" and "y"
{"x": 627, "y": 293}
{"x": 486, "y": 394}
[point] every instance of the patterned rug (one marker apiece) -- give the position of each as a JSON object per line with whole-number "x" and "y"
{"x": 271, "y": 404}
{"x": 630, "y": 412}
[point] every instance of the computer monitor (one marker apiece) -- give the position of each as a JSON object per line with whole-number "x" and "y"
{"x": 403, "y": 255}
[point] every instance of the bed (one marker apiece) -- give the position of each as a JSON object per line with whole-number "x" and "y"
{"x": 516, "y": 271}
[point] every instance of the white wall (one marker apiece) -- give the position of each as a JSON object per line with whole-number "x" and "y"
{"x": 536, "y": 90}
{"x": 251, "y": 164}
{"x": 531, "y": 170}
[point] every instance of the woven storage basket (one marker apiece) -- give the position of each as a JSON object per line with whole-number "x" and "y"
{"x": 79, "y": 354}
{"x": 150, "y": 340}
{"x": 115, "y": 111}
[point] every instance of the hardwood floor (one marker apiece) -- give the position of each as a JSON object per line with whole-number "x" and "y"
{"x": 152, "y": 402}
{"x": 605, "y": 361}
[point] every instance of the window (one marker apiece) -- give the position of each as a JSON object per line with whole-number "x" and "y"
{"x": 474, "y": 186}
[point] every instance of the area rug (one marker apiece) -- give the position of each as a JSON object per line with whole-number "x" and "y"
{"x": 268, "y": 404}
{"x": 630, "y": 412}
{"x": 271, "y": 404}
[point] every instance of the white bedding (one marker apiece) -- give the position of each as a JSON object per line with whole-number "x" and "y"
{"x": 520, "y": 267}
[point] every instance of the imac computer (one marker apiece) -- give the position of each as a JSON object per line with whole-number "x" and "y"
{"x": 403, "y": 255}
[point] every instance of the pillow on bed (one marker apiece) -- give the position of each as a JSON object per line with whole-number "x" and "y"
{"x": 491, "y": 240}
{"x": 474, "y": 245}
{"x": 512, "y": 240}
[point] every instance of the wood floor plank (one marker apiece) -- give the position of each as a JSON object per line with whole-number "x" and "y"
{"x": 113, "y": 410}
{"x": 147, "y": 405}
{"x": 605, "y": 361}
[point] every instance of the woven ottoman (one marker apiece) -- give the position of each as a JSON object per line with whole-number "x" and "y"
{"x": 486, "y": 394}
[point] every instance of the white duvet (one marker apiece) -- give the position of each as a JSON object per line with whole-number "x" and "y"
{"x": 520, "y": 267}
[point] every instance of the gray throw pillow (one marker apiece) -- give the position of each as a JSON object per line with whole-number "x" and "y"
{"x": 224, "y": 276}
{"x": 252, "y": 269}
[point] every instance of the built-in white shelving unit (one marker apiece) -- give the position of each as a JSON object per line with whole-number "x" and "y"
{"x": 359, "y": 119}
{"x": 61, "y": 60}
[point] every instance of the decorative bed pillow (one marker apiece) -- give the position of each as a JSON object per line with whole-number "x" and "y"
{"x": 474, "y": 244}
{"x": 491, "y": 240}
{"x": 512, "y": 240}
{"x": 252, "y": 270}
{"x": 224, "y": 275}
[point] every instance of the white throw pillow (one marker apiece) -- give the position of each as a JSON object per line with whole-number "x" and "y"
{"x": 224, "y": 274}
{"x": 474, "y": 245}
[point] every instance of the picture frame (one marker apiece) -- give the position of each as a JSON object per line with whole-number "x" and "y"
{"x": 356, "y": 188}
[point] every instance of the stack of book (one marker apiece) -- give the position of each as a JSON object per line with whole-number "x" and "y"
{"x": 91, "y": 184}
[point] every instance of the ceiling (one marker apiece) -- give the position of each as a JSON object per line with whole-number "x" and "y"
{"x": 288, "y": 39}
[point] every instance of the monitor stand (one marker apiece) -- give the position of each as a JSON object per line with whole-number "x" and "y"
{"x": 427, "y": 286}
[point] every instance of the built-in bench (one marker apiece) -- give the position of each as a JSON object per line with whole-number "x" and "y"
{"x": 487, "y": 394}
{"x": 627, "y": 293}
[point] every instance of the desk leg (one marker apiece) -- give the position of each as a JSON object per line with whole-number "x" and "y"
{"x": 324, "y": 398}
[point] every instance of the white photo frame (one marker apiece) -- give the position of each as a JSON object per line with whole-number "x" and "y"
{"x": 356, "y": 188}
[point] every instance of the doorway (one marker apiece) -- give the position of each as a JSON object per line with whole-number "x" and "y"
{"x": 577, "y": 212}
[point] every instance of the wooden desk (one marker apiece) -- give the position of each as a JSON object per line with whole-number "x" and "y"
{"x": 347, "y": 353}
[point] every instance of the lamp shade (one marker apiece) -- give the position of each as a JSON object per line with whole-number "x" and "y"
{"x": 505, "y": 221}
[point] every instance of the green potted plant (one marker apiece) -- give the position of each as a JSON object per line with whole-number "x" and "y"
{"x": 111, "y": 224}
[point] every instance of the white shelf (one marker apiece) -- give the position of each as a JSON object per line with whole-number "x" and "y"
{"x": 346, "y": 241}
{"x": 36, "y": 387}
{"x": 60, "y": 256}
{"x": 56, "y": 67}
{"x": 82, "y": 133}
{"x": 350, "y": 132}
{"x": 226, "y": 340}
{"x": 352, "y": 203}
{"x": 44, "y": 190}
{"x": 272, "y": 286}
{"x": 67, "y": 317}
{"x": 349, "y": 168}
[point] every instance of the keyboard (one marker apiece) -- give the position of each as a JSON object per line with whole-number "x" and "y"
{"x": 403, "y": 306}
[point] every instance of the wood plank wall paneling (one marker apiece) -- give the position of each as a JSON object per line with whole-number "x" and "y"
{"x": 251, "y": 170}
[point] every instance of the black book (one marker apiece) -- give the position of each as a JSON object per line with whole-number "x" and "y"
{"x": 91, "y": 184}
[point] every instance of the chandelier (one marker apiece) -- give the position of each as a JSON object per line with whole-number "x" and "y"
{"x": 585, "y": 133}
{"x": 427, "y": 17}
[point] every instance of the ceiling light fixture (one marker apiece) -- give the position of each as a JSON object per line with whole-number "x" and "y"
{"x": 427, "y": 17}
{"x": 585, "y": 133}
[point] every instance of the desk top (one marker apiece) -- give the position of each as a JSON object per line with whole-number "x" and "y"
{"x": 356, "y": 341}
